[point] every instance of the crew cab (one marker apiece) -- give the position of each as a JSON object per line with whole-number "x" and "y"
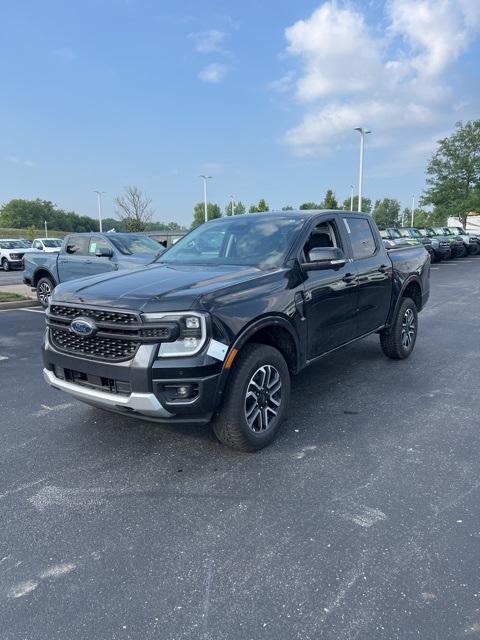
{"x": 12, "y": 252}
{"x": 87, "y": 254}
{"x": 216, "y": 327}
{"x": 442, "y": 247}
{"x": 456, "y": 243}
{"x": 49, "y": 245}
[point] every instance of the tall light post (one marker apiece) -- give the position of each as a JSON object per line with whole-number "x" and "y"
{"x": 351, "y": 197}
{"x": 413, "y": 208}
{"x": 363, "y": 132}
{"x": 205, "y": 178}
{"x": 99, "y": 203}
{"x": 232, "y": 203}
{"x": 46, "y": 229}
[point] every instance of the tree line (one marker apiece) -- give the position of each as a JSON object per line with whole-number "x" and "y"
{"x": 452, "y": 189}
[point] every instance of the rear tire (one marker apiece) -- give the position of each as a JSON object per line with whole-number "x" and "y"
{"x": 398, "y": 344}
{"x": 44, "y": 290}
{"x": 256, "y": 401}
{"x": 5, "y": 265}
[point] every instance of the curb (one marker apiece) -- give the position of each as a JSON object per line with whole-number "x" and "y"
{"x": 19, "y": 304}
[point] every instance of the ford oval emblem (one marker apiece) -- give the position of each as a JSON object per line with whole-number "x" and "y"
{"x": 83, "y": 327}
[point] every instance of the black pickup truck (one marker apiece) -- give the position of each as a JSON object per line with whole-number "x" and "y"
{"x": 215, "y": 329}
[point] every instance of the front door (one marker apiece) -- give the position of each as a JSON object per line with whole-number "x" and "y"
{"x": 330, "y": 295}
{"x": 97, "y": 264}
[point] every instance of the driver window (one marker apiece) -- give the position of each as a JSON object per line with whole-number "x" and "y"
{"x": 323, "y": 235}
{"x": 97, "y": 243}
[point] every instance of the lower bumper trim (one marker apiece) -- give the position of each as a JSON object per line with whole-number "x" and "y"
{"x": 146, "y": 404}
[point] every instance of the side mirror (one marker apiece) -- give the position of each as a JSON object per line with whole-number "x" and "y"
{"x": 324, "y": 258}
{"x": 104, "y": 252}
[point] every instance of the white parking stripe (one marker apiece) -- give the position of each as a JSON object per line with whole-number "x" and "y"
{"x": 33, "y": 310}
{"x": 3, "y": 357}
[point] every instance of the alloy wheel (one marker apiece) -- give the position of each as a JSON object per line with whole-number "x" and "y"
{"x": 44, "y": 292}
{"x": 263, "y": 398}
{"x": 408, "y": 328}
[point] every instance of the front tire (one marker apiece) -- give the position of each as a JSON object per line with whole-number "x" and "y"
{"x": 5, "y": 265}
{"x": 257, "y": 400}
{"x": 399, "y": 342}
{"x": 44, "y": 290}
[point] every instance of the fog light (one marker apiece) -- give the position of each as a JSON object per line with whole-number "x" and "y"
{"x": 183, "y": 392}
{"x": 190, "y": 343}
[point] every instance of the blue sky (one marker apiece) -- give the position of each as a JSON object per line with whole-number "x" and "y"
{"x": 263, "y": 95}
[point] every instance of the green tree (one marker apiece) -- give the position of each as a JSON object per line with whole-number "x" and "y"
{"x": 386, "y": 212}
{"x": 453, "y": 174}
{"x": 330, "y": 201}
{"x": 287, "y": 208}
{"x": 238, "y": 208}
{"x": 21, "y": 214}
{"x": 261, "y": 207}
{"x": 306, "y": 206}
{"x": 366, "y": 204}
{"x": 213, "y": 211}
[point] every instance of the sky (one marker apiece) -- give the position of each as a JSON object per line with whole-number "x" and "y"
{"x": 263, "y": 95}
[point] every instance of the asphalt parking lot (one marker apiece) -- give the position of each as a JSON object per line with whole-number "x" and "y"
{"x": 361, "y": 521}
{"x": 11, "y": 277}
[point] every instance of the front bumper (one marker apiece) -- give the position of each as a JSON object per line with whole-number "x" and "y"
{"x": 15, "y": 264}
{"x": 138, "y": 386}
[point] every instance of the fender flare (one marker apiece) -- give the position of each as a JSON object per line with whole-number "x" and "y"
{"x": 47, "y": 271}
{"x": 246, "y": 333}
{"x": 393, "y": 312}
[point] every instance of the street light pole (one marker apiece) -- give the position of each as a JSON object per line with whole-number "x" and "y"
{"x": 363, "y": 132}
{"x": 413, "y": 208}
{"x": 99, "y": 203}
{"x": 351, "y": 197}
{"x": 46, "y": 229}
{"x": 232, "y": 203}
{"x": 205, "y": 178}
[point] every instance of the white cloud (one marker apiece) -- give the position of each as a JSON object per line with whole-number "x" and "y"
{"x": 392, "y": 80}
{"x": 214, "y": 72}
{"x": 17, "y": 160}
{"x": 210, "y": 41}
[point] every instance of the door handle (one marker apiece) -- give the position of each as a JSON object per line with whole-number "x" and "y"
{"x": 383, "y": 267}
{"x": 349, "y": 277}
{"x": 88, "y": 262}
{"x": 63, "y": 261}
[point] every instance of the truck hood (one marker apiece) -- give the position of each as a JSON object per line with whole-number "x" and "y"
{"x": 155, "y": 288}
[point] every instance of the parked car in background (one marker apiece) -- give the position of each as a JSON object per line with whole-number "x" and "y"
{"x": 401, "y": 237}
{"x": 442, "y": 247}
{"x": 49, "y": 245}
{"x": 414, "y": 234}
{"x": 456, "y": 243}
{"x": 87, "y": 254}
{"x": 216, "y": 328}
{"x": 166, "y": 238}
{"x": 27, "y": 243}
{"x": 471, "y": 241}
{"x": 11, "y": 253}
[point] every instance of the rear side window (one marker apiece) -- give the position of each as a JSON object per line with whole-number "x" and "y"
{"x": 361, "y": 237}
{"x": 97, "y": 243}
{"x": 77, "y": 245}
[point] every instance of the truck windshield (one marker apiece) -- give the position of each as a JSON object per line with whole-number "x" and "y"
{"x": 130, "y": 244}
{"x": 52, "y": 242}
{"x": 404, "y": 233}
{"x": 443, "y": 231}
{"x": 11, "y": 244}
{"x": 454, "y": 231}
{"x": 394, "y": 233}
{"x": 256, "y": 242}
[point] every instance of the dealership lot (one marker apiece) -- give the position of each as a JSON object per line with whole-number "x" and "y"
{"x": 361, "y": 521}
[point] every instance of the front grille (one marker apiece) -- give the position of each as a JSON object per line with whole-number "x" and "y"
{"x": 113, "y": 349}
{"x": 100, "y": 383}
{"x": 99, "y": 315}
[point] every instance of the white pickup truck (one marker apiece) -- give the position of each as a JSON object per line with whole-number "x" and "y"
{"x": 12, "y": 252}
{"x": 49, "y": 245}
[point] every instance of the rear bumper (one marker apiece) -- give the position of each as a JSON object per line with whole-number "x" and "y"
{"x": 138, "y": 387}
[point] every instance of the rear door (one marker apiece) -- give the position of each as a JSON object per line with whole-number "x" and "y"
{"x": 330, "y": 295}
{"x": 72, "y": 261}
{"x": 374, "y": 272}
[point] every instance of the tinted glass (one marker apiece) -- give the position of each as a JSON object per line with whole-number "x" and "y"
{"x": 78, "y": 245}
{"x": 361, "y": 237}
{"x": 52, "y": 242}
{"x": 130, "y": 244}
{"x": 251, "y": 241}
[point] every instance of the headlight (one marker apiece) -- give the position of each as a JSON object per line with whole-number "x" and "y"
{"x": 192, "y": 333}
